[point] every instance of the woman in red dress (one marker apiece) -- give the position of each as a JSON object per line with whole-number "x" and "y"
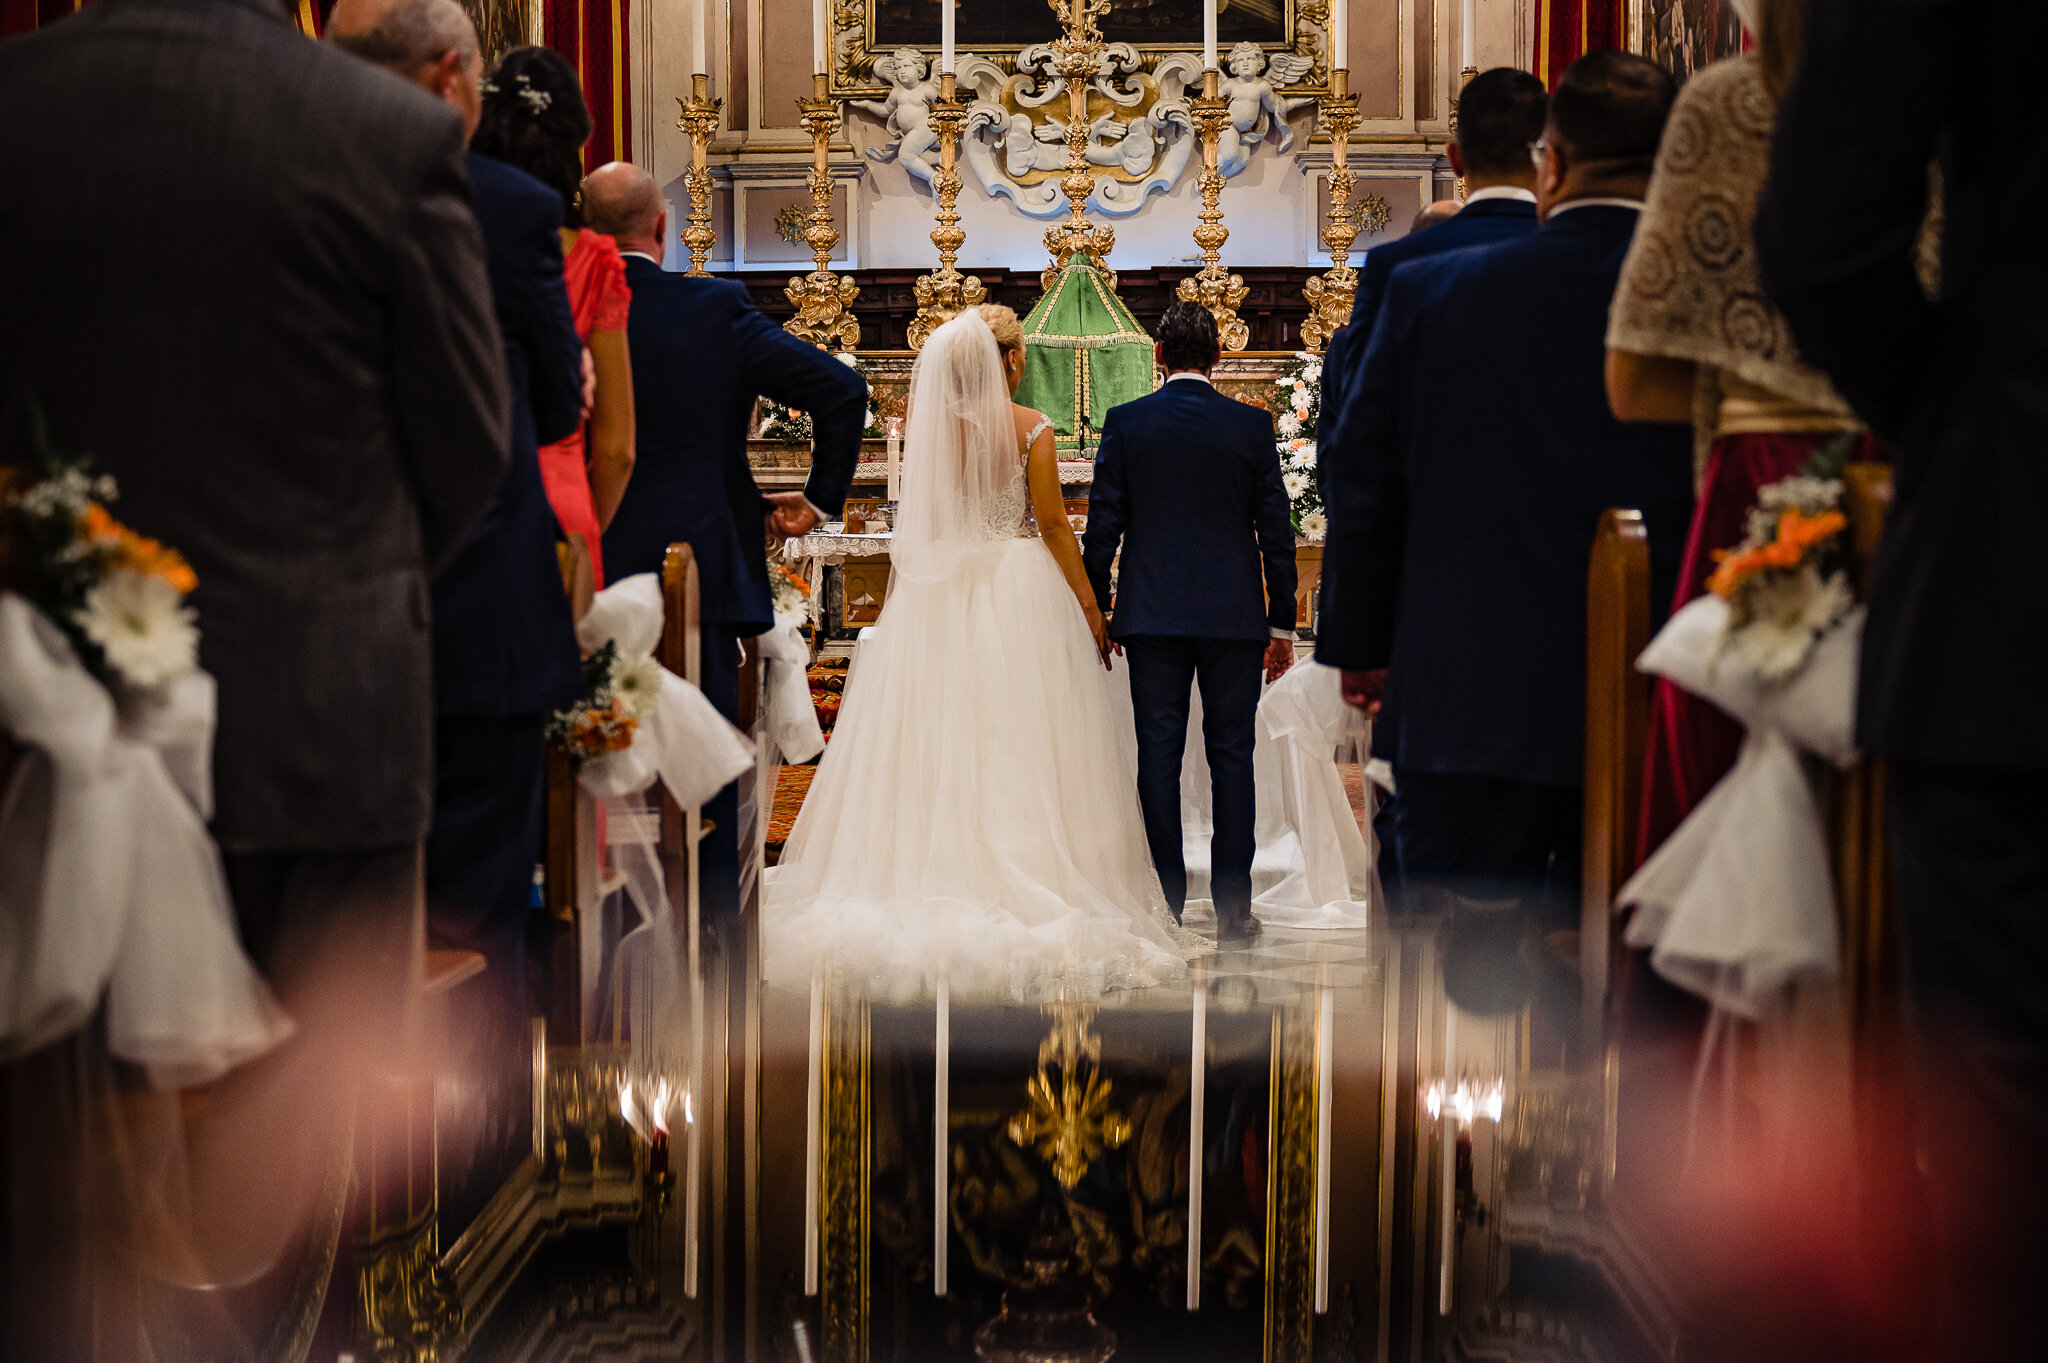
{"x": 534, "y": 118}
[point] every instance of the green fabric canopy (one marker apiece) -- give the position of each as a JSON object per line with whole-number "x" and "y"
{"x": 1083, "y": 354}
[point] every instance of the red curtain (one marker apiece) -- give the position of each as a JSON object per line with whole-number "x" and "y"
{"x": 25, "y": 16}
{"x": 1568, "y": 29}
{"x": 594, "y": 35}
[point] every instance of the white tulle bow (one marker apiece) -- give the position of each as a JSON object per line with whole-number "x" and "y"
{"x": 682, "y": 739}
{"x": 1740, "y": 900}
{"x": 792, "y": 716}
{"x": 110, "y": 886}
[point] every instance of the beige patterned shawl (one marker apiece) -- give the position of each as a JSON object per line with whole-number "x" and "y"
{"x": 1690, "y": 289}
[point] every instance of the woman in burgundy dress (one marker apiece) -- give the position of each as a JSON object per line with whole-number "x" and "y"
{"x": 1692, "y": 338}
{"x": 534, "y": 118}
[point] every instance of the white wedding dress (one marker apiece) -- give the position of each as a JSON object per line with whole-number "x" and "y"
{"x": 975, "y": 818}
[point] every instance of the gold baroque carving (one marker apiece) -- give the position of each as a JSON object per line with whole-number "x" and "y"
{"x": 854, "y": 50}
{"x": 844, "y": 1162}
{"x": 1291, "y": 1190}
{"x": 1069, "y": 1122}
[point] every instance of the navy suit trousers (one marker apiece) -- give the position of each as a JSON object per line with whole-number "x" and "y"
{"x": 719, "y": 883}
{"x": 1164, "y": 673}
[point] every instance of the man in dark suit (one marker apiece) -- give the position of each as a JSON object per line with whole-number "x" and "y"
{"x": 1187, "y": 483}
{"x": 505, "y": 651}
{"x": 298, "y": 383}
{"x": 1956, "y": 643}
{"x": 1500, "y": 114}
{"x": 1466, "y": 474}
{"x": 702, "y": 354}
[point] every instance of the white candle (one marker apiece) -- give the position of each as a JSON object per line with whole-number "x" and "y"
{"x": 1198, "y": 1089}
{"x": 1208, "y": 35}
{"x": 942, "y": 1108}
{"x": 895, "y": 457}
{"x": 813, "y": 1100}
{"x": 818, "y": 36}
{"x": 946, "y": 19}
{"x": 697, "y": 41}
{"x": 1326, "y": 1020}
{"x": 1468, "y": 27}
{"x": 1340, "y": 50}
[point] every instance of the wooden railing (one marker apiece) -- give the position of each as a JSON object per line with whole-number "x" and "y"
{"x": 1617, "y": 728}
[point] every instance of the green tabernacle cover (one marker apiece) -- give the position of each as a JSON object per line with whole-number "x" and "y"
{"x": 1083, "y": 354}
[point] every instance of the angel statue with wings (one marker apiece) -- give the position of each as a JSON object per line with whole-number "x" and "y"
{"x": 1257, "y": 109}
{"x": 906, "y": 113}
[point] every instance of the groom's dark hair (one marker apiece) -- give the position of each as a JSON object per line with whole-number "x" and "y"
{"x": 1187, "y": 338}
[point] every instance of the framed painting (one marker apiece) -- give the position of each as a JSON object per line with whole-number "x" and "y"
{"x": 1008, "y": 25}
{"x": 1684, "y": 36}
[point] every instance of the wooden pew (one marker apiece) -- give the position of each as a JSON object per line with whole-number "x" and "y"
{"x": 1617, "y": 729}
{"x": 1870, "y": 951}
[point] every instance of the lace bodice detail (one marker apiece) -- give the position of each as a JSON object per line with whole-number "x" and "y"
{"x": 1008, "y": 513}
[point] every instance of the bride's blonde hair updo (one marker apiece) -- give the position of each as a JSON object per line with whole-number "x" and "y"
{"x": 1009, "y": 332}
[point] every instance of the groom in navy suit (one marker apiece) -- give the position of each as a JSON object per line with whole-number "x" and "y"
{"x": 1465, "y": 476}
{"x": 1188, "y": 483}
{"x": 702, "y": 353}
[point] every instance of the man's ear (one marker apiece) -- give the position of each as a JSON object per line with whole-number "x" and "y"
{"x": 446, "y": 68}
{"x": 1159, "y": 354}
{"x": 1456, "y": 155}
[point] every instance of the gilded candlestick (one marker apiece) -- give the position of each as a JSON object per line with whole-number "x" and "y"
{"x": 1330, "y": 294}
{"x": 1076, "y": 57}
{"x": 824, "y": 300}
{"x": 945, "y": 292}
{"x": 699, "y": 118}
{"x": 1214, "y": 288}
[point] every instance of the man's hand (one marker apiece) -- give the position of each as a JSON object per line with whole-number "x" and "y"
{"x": 1279, "y": 657}
{"x": 589, "y": 383}
{"x": 792, "y": 516}
{"x": 1105, "y": 647}
{"x": 1363, "y": 690}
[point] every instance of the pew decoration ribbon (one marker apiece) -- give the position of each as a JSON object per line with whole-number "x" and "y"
{"x": 1739, "y": 902}
{"x": 792, "y": 715}
{"x": 638, "y": 721}
{"x": 112, "y": 894}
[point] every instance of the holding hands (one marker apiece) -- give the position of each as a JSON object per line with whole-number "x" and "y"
{"x": 793, "y": 515}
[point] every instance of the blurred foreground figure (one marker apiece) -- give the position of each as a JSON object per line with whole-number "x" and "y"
{"x": 1957, "y": 641}
{"x": 291, "y": 367}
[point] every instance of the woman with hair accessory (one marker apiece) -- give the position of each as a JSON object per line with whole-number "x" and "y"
{"x": 534, "y": 118}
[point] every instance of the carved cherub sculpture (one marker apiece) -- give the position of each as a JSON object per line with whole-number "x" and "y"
{"x": 1257, "y": 109}
{"x": 906, "y": 113}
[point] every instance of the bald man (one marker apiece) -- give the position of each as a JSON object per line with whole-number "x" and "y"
{"x": 702, "y": 353}
{"x": 505, "y": 651}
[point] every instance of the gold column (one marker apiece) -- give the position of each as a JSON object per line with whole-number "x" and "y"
{"x": 824, "y": 300}
{"x": 1076, "y": 57}
{"x": 699, "y": 118}
{"x": 1330, "y": 293}
{"x": 1214, "y": 288}
{"x": 944, "y": 292}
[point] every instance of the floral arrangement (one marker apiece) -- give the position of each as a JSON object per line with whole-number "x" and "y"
{"x": 791, "y": 593}
{"x": 1787, "y": 583}
{"x": 792, "y": 427}
{"x": 617, "y": 694}
{"x": 1301, "y": 403}
{"x": 119, "y": 597}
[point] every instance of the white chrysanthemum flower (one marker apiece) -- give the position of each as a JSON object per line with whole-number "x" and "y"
{"x": 1789, "y": 614}
{"x": 1315, "y": 525}
{"x": 1294, "y": 483}
{"x": 848, "y": 358}
{"x": 1302, "y": 400}
{"x": 1305, "y": 454}
{"x": 1313, "y": 373}
{"x": 1810, "y": 495}
{"x": 636, "y": 683}
{"x": 1290, "y": 424}
{"x": 142, "y": 624}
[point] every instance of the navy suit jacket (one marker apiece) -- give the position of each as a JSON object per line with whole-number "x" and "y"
{"x": 1471, "y": 464}
{"x": 504, "y": 639}
{"x": 1188, "y": 482}
{"x": 1485, "y": 223}
{"x": 702, "y": 354}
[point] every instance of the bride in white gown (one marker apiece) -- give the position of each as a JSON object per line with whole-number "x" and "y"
{"x": 975, "y": 817}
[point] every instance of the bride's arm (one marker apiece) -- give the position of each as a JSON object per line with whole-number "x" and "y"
{"x": 1049, "y": 508}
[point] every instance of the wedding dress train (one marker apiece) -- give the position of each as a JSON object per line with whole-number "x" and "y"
{"x": 975, "y": 817}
